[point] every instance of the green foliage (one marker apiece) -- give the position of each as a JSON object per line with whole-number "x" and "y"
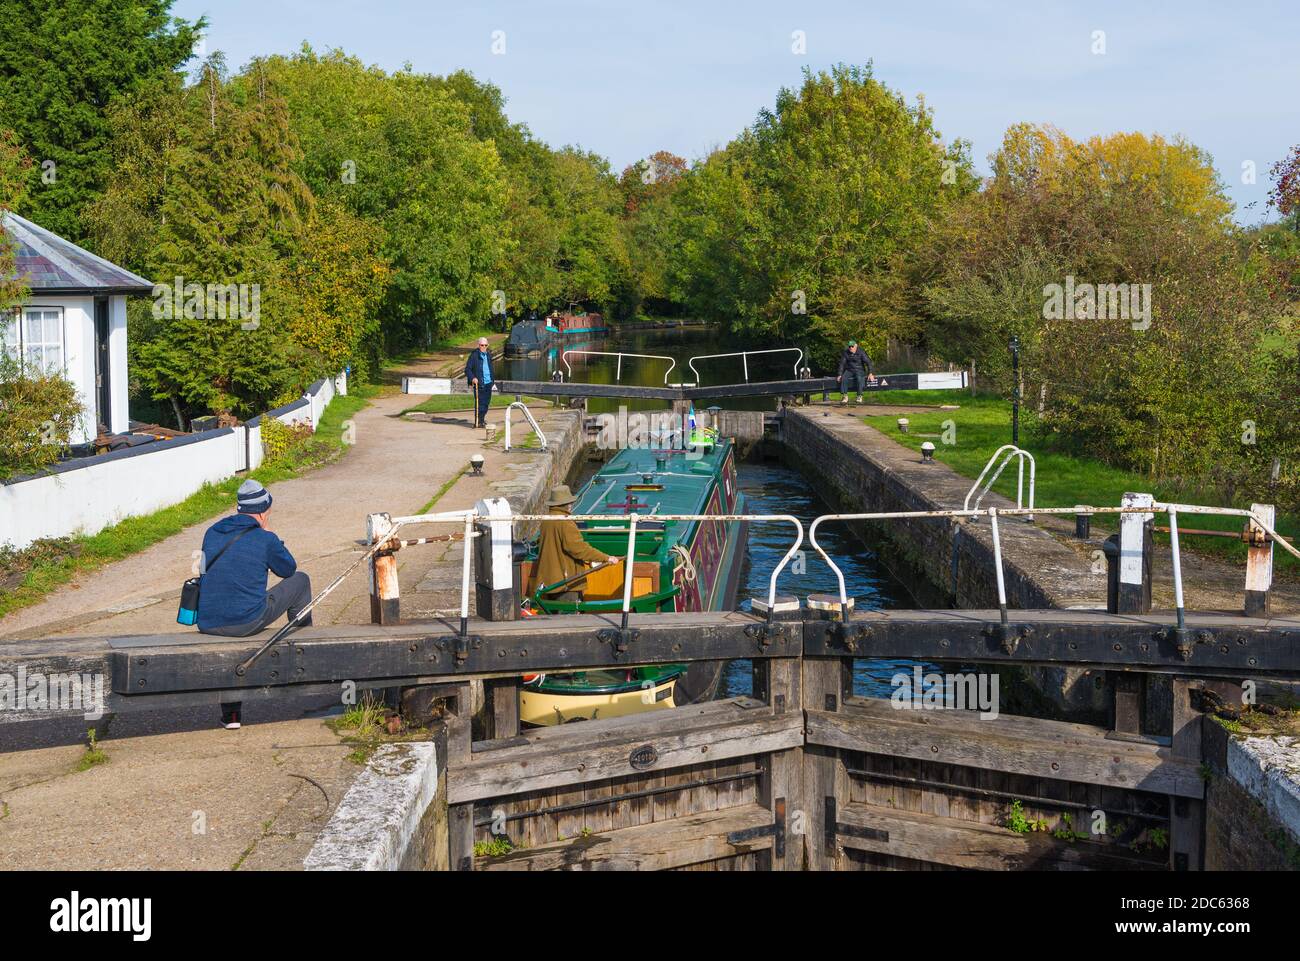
{"x": 497, "y": 846}
{"x": 1016, "y": 820}
{"x": 279, "y": 438}
{"x": 796, "y": 228}
{"x": 1166, "y": 393}
{"x": 94, "y": 753}
{"x": 61, "y": 65}
{"x": 39, "y": 411}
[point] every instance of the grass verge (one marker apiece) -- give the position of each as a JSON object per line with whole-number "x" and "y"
{"x": 983, "y": 424}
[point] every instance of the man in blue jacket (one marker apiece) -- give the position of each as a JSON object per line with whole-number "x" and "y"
{"x": 478, "y": 371}
{"x": 237, "y": 553}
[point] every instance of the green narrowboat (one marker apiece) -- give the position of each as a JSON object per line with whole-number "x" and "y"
{"x": 679, "y": 566}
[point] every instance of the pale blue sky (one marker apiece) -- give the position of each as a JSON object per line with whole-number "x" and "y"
{"x": 626, "y": 79}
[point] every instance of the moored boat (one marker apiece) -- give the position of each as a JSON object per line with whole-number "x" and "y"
{"x": 533, "y": 336}
{"x": 678, "y": 566}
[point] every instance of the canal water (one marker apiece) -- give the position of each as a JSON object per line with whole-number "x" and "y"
{"x": 769, "y": 487}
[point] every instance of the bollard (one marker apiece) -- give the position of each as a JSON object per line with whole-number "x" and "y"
{"x": 385, "y": 594}
{"x": 1259, "y": 561}
{"x": 1082, "y": 526}
{"x": 496, "y": 577}
{"x": 1133, "y": 590}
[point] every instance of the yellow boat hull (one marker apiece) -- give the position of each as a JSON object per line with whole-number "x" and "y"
{"x": 540, "y": 708}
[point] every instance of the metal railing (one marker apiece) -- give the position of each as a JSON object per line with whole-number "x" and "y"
{"x": 469, "y": 517}
{"x": 620, "y": 354}
{"x": 1012, "y": 451}
{"x": 993, "y": 513}
{"x": 541, "y": 437}
{"x": 385, "y": 537}
{"x": 744, "y": 355}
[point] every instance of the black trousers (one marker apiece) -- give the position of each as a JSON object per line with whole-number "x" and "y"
{"x": 484, "y": 402}
{"x": 289, "y": 597}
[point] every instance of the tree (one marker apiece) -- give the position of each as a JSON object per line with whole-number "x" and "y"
{"x": 62, "y": 66}
{"x": 794, "y": 231}
{"x": 399, "y": 151}
{"x": 1285, "y": 195}
{"x": 205, "y": 193}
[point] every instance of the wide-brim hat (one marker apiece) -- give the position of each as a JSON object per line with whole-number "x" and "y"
{"x": 560, "y": 496}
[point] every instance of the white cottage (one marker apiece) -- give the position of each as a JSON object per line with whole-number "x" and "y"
{"x": 73, "y": 320}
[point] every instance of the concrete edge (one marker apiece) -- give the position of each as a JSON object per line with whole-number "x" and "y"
{"x": 379, "y": 818}
{"x": 1268, "y": 768}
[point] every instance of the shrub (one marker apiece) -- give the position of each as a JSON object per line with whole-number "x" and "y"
{"x": 279, "y": 439}
{"x": 38, "y": 413}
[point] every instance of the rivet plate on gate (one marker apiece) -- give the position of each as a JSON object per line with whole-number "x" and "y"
{"x": 643, "y": 757}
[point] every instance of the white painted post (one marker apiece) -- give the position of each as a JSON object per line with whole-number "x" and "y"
{"x": 1259, "y": 562}
{"x": 627, "y": 575}
{"x": 1135, "y": 556}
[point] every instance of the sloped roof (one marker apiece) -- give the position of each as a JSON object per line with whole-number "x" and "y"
{"x": 51, "y": 265}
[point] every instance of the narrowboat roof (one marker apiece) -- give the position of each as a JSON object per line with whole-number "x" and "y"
{"x": 633, "y": 480}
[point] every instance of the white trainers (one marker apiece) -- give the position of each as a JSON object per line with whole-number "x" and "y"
{"x": 844, "y": 400}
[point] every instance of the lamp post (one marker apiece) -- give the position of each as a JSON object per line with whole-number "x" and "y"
{"x": 1015, "y": 390}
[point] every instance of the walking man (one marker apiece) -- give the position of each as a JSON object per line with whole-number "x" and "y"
{"x": 561, "y": 550}
{"x": 478, "y": 371}
{"x": 855, "y": 368}
{"x": 238, "y": 551}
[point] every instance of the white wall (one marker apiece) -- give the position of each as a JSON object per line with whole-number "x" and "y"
{"x": 86, "y": 499}
{"x": 78, "y": 354}
{"x": 120, "y": 414}
{"x": 96, "y": 492}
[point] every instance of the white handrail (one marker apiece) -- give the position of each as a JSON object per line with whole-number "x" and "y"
{"x": 468, "y": 517}
{"x": 994, "y": 512}
{"x": 1013, "y": 451}
{"x": 531, "y": 420}
{"x": 620, "y": 354}
{"x": 744, "y": 355}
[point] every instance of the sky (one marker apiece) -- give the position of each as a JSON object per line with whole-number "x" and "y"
{"x": 628, "y": 78}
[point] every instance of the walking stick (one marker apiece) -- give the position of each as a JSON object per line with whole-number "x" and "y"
{"x": 476, "y": 413}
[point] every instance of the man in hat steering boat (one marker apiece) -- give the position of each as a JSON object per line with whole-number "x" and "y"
{"x": 562, "y": 551}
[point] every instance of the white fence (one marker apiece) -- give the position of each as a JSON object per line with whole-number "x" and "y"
{"x": 86, "y": 495}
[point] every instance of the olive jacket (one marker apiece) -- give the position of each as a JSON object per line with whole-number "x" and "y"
{"x": 560, "y": 554}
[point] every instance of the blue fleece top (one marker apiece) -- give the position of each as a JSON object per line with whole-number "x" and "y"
{"x": 479, "y": 365}
{"x": 233, "y": 591}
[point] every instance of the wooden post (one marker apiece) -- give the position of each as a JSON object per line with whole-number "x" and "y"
{"x": 1135, "y": 549}
{"x": 460, "y": 817}
{"x": 825, "y": 778}
{"x": 1186, "y": 815}
{"x": 780, "y": 787}
{"x": 385, "y": 594}
{"x": 503, "y": 706}
{"x": 1129, "y": 702}
{"x": 1259, "y": 562}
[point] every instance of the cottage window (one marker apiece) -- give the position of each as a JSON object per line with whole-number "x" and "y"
{"x": 36, "y": 337}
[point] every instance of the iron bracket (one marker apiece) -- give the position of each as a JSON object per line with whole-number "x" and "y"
{"x": 1008, "y": 636}
{"x": 765, "y": 633}
{"x": 849, "y": 634}
{"x": 1184, "y": 639}
{"x": 834, "y": 827}
{"x": 619, "y": 638}
{"x": 459, "y": 645}
{"x": 775, "y": 830}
